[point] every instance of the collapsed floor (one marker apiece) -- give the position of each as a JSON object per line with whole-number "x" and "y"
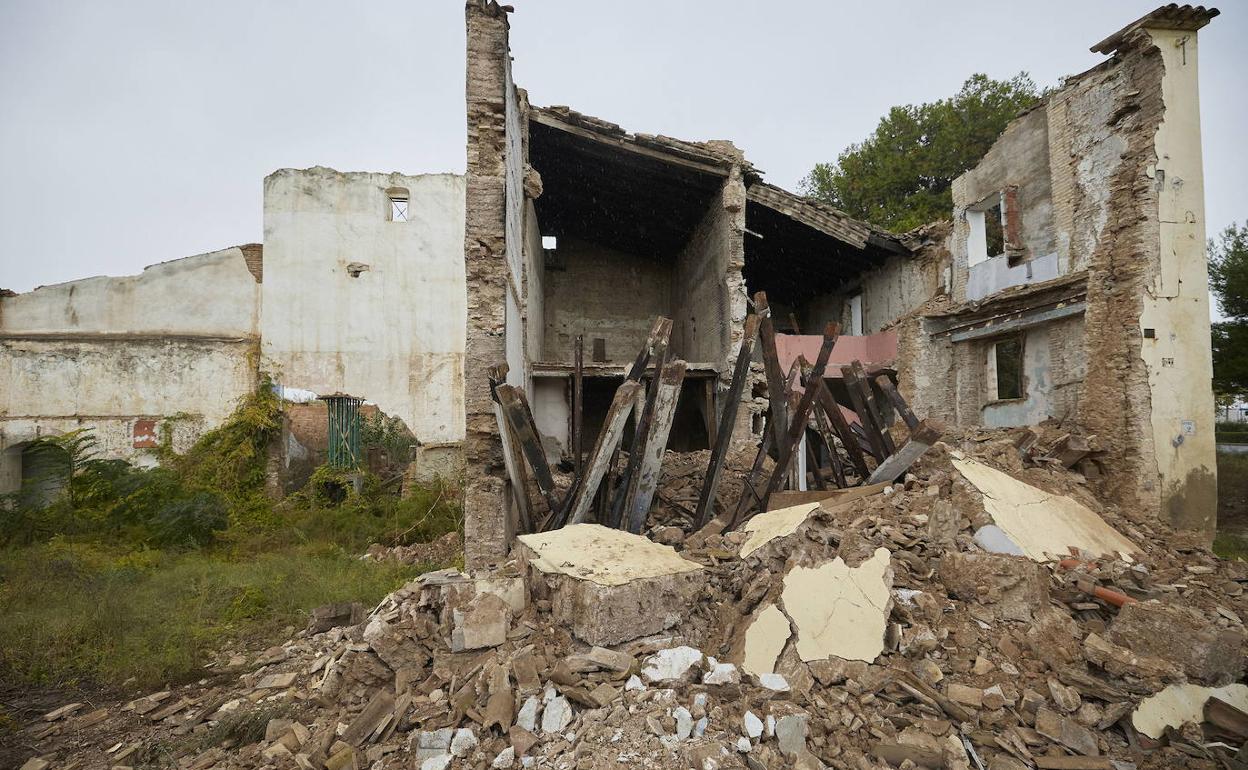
{"x": 881, "y": 628}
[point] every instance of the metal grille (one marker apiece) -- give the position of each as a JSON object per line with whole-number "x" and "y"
{"x": 344, "y": 430}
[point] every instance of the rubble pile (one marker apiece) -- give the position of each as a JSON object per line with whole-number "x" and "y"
{"x": 905, "y": 626}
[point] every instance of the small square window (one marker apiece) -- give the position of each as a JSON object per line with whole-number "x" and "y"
{"x": 1005, "y": 369}
{"x": 550, "y": 242}
{"x": 398, "y": 209}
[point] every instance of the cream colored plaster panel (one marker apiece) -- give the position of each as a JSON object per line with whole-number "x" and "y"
{"x": 765, "y": 640}
{"x": 840, "y": 610}
{"x": 766, "y": 527}
{"x": 1041, "y": 523}
{"x": 1181, "y": 703}
{"x": 608, "y": 557}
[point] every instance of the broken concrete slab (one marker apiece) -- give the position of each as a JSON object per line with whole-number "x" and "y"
{"x": 1182, "y": 636}
{"x": 1040, "y": 523}
{"x": 1011, "y": 587}
{"x": 1181, "y": 703}
{"x": 838, "y": 610}
{"x": 607, "y": 557}
{"x": 764, "y": 640}
{"x": 610, "y": 586}
{"x": 765, "y": 527}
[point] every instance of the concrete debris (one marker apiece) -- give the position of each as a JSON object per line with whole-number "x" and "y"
{"x": 864, "y": 636}
{"x": 1180, "y": 704}
{"x": 768, "y": 526}
{"x": 1043, "y": 525}
{"x": 838, "y": 610}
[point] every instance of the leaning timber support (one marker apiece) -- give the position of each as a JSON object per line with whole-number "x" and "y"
{"x": 798, "y": 424}
{"x": 777, "y": 406}
{"x": 832, "y": 411}
{"x": 865, "y": 418}
{"x": 520, "y": 421}
{"x": 657, "y": 345}
{"x": 890, "y": 392}
{"x": 608, "y": 439}
{"x": 642, "y": 484}
{"x": 924, "y": 435}
{"x": 877, "y": 415}
{"x": 723, "y": 438}
{"x": 516, "y": 471}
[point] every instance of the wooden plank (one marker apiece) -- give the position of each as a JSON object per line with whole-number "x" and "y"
{"x": 826, "y": 432}
{"x": 517, "y": 472}
{"x": 578, "y": 401}
{"x": 749, "y": 494}
{"x": 899, "y": 403}
{"x": 727, "y": 421}
{"x": 789, "y": 498}
{"x": 1044, "y": 762}
{"x": 877, "y": 416}
{"x": 519, "y": 418}
{"x": 708, "y": 412}
{"x": 645, "y": 480}
{"x": 852, "y": 386}
{"x": 832, "y": 411}
{"x": 777, "y": 406}
{"x": 660, "y": 332}
{"x": 798, "y": 424}
{"x": 1227, "y": 718}
{"x": 657, "y": 344}
{"x": 608, "y": 439}
{"x": 812, "y": 461}
{"x": 921, "y": 439}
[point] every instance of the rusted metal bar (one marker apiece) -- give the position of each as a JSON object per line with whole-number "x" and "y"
{"x": 727, "y": 421}
{"x": 608, "y": 438}
{"x": 642, "y": 484}
{"x": 890, "y": 392}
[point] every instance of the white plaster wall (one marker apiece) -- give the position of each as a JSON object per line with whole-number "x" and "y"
{"x": 208, "y": 294}
{"x": 395, "y": 334}
{"x": 1176, "y": 305}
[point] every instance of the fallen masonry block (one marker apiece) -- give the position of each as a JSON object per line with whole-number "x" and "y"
{"x": 1040, "y": 523}
{"x": 838, "y": 610}
{"x": 334, "y": 615}
{"x": 1182, "y": 637}
{"x": 610, "y": 586}
{"x": 276, "y": 681}
{"x": 1067, "y": 732}
{"x": 672, "y": 665}
{"x": 482, "y": 623}
{"x": 1014, "y": 588}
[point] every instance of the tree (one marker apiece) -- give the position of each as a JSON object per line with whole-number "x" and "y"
{"x": 899, "y": 177}
{"x": 1228, "y": 279}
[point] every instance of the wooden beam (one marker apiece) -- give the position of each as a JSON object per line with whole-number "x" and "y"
{"x": 627, "y": 144}
{"x": 750, "y": 495}
{"x": 846, "y": 434}
{"x": 899, "y": 403}
{"x": 656, "y": 349}
{"x": 727, "y": 421}
{"x": 877, "y": 416}
{"x": 777, "y": 406}
{"x": 578, "y": 401}
{"x": 925, "y": 434}
{"x": 520, "y": 419}
{"x": 852, "y": 386}
{"x": 608, "y": 439}
{"x": 826, "y": 431}
{"x": 798, "y": 424}
{"x": 642, "y": 484}
{"x": 517, "y": 474}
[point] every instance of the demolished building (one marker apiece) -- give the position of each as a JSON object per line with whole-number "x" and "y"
{"x": 1070, "y": 285}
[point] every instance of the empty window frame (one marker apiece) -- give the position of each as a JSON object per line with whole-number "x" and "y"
{"x": 855, "y": 315}
{"x": 986, "y": 238}
{"x": 1005, "y": 369}
{"x": 400, "y": 199}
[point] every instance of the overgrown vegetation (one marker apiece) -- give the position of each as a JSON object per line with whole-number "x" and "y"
{"x": 900, "y": 176}
{"x": 1228, "y": 280}
{"x": 112, "y": 572}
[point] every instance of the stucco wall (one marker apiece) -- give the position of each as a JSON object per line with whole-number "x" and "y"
{"x": 1176, "y": 299}
{"x": 603, "y": 294}
{"x": 394, "y": 335}
{"x": 104, "y": 353}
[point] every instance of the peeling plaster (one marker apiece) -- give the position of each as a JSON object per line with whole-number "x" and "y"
{"x": 840, "y": 610}
{"x": 765, "y": 640}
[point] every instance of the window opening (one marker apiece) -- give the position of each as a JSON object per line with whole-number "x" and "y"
{"x": 1005, "y": 369}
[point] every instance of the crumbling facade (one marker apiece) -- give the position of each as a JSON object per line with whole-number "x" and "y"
{"x": 1069, "y": 284}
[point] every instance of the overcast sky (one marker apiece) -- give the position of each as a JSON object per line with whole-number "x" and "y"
{"x": 137, "y": 131}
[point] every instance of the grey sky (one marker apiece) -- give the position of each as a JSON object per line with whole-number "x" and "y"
{"x": 139, "y": 131}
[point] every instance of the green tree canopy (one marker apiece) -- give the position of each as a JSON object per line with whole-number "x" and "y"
{"x": 899, "y": 177}
{"x": 1228, "y": 279}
